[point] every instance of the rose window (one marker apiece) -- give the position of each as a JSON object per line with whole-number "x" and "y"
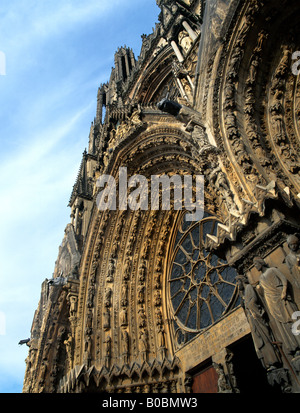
{"x": 201, "y": 286}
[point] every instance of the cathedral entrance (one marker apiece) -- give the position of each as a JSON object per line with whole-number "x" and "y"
{"x": 249, "y": 373}
{"x": 205, "y": 380}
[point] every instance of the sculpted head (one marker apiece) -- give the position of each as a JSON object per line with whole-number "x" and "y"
{"x": 259, "y": 263}
{"x": 293, "y": 242}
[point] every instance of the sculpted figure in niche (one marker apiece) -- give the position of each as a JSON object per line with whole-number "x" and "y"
{"x": 253, "y": 69}
{"x": 293, "y": 258}
{"x": 185, "y": 41}
{"x": 260, "y": 330}
{"x": 143, "y": 342}
{"x": 89, "y": 323}
{"x": 91, "y": 293}
{"x": 284, "y": 62}
{"x": 141, "y": 317}
{"x": 73, "y": 305}
{"x": 124, "y": 294}
{"x": 69, "y": 347}
{"x": 276, "y": 120}
{"x": 161, "y": 342}
{"x": 223, "y": 385}
{"x": 123, "y": 317}
{"x": 107, "y": 343}
{"x": 279, "y": 304}
{"x": 111, "y": 270}
{"x": 88, "y": 345}
{"x": 161, "y": 337}
{"x": 260, "y": 39}
{"x": 125, "y": 345}
{"x": 106, "y": 319}
{"x": 142, "y": 272}
{"x": 107, "y": 298}
{"x": 230, "y": 369}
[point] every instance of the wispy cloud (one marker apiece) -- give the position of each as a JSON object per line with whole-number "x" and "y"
{"x": 57, "y": 53}
{"x": 35, "y": 182}
{"x": 43, "y": 153}
{"x": 48, "y": 18}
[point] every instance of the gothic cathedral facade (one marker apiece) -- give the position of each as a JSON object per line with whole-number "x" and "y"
{"x": 144, "y": 300}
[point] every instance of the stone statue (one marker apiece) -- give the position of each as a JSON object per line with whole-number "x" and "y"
{"x": 124, "y": 295}
{"x": 293, "y": 258}
{"x": 125, "y": 345}
{"x": 106, "y": 319}
{"x": 161, "y": 342}
{"x": 73, "y": 305}
{"x": 107, "y": 343}
{"x": 279, "y": 304}
{"x": 111, "y": 270}
{"x": 230, "y": 370}
{"x": 223, "y": 386}
{"x": 123, "y": 317}
{"x": 260, "y": 330}
{"x": 69, "y": 349}
{"x": 185, "y": 41}
{"x": 88, "y": 344}
{"x": 143, "y": 342}
{"x": 107, "y": 297}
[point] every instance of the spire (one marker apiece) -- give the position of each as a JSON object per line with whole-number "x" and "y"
{"x": 101, "y": 101}
{"x": 92, "y": 145}
{"x": 124, "y": 63}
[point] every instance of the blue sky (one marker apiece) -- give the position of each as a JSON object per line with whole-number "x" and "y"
{"x": 57, "y": 53}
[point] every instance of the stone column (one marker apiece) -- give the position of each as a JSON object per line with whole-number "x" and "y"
{"x": 190, "y": 31}
{"x": 182, "y": 91}
{"x": 177, "y": 51}
{"x": 224, "y": 367}
{"x": 190, "y": 82}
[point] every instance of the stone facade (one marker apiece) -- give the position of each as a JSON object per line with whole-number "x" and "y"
{"x": 143, "y": 300}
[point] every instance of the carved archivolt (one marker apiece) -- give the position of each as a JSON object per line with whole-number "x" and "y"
{"x": 250, "y": 96}
{"x": 257, "y": 81}
{"x": 120, "y": 303}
